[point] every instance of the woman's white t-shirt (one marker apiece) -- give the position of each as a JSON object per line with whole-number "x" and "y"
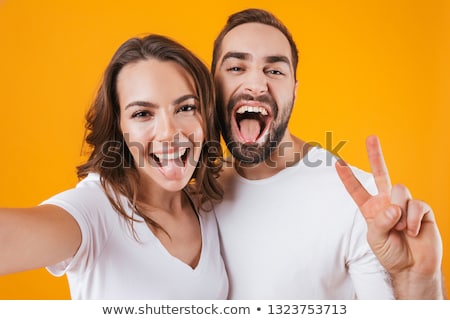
{"x": 112, "y": 264}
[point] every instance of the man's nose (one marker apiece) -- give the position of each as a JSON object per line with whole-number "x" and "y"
{"x": 255, "y": 83}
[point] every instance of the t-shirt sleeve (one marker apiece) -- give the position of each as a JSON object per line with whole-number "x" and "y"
{"x": 88, "y": 204}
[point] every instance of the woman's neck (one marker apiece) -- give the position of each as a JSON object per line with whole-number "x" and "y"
{"x": 153, "y": 196}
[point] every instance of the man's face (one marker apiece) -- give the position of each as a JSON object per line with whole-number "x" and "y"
{"x": 256, "y": 90}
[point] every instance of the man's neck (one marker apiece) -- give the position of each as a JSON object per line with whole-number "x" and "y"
{"x": 289, "y": 152}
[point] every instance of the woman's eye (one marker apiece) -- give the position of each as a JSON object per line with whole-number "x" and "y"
{"x": 187, "y": 108}
{"x": 141, "y": 114}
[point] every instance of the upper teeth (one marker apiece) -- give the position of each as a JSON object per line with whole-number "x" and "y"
{"x": 252, "y": 109}
{"x": 171, "y": 156}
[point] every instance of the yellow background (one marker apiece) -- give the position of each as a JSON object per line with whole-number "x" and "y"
{"x": 365, "y": 67}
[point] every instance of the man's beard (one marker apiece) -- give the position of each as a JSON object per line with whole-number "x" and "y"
{"x": 254, "y": 153}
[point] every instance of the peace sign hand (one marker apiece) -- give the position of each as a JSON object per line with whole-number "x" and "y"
{"x": 401, "y": 231}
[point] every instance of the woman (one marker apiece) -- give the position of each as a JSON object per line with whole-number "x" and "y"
{"x": 131, "y": 229}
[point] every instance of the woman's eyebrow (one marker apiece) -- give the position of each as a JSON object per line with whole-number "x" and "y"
{"x": 140, "y": 103}
{"x": 148, "y": 104}
{"x": 185, "y": 97}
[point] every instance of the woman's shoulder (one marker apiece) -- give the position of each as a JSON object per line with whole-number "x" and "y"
{"x": 88, "y": 193}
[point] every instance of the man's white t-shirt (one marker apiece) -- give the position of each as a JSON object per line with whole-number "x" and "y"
{"x": 298, "y": 235}
{"x": 112, "y": 264}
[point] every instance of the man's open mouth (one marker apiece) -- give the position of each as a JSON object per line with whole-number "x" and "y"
{"x": 252, "y": 122}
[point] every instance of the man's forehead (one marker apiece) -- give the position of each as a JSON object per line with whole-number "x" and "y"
{"x": 256, "y": 40}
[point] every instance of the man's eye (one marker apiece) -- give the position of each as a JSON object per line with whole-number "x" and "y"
{"x": 234, "y": 69}
{"x": 276, "y": 72}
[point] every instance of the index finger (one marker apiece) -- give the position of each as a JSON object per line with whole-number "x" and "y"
{"x": 354, "y": 187}
{"x": 378, "y": 166}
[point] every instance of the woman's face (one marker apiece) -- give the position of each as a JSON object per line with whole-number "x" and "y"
{"x": 160, "y": 121}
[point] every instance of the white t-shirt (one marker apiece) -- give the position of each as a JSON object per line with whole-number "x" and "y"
{"x": 112, "y": 264}
{"x": 298, "y": 235}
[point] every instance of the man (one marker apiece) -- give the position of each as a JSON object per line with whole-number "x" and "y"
{"x": 292, "y": 224}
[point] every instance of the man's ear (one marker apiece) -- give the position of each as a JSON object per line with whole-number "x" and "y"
{"x": 295, "y": 90}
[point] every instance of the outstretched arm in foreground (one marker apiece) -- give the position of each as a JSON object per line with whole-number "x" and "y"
{"x": 402, "y": 231}
{"x": 36, "y": 237}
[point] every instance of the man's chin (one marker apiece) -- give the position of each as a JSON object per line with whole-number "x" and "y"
{"x": 247, "y": 153}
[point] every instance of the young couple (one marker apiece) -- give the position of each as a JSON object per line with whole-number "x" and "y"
{"x": 144, "y": 221}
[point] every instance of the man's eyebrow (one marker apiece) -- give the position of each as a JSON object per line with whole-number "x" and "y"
{"x": 280, "y": 58}
{"x": 246, "y": 56}
{"x": 236, "y": 55}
